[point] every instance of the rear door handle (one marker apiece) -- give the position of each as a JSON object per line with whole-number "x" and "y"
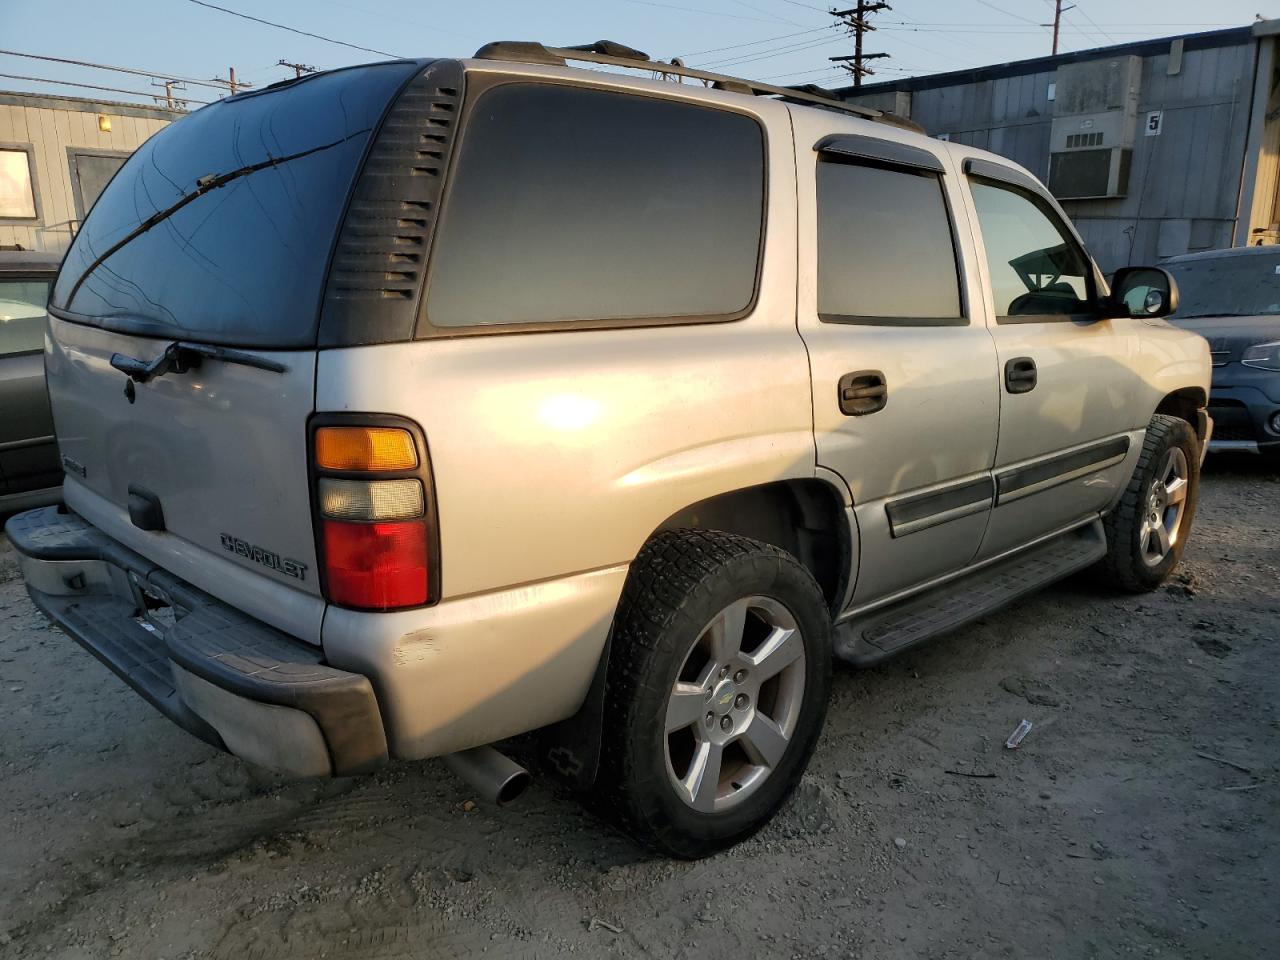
{"x": 862, "y": 392}
{"x": 1020, "y": 375}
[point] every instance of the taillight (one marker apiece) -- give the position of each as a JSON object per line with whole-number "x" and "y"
{"x": 375, "y": 513}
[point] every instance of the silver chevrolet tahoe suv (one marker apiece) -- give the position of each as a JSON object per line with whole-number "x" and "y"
{"x": 409, "y": 407}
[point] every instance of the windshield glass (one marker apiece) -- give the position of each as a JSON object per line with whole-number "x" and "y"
{"x": 243, "y": 263}
{"x": 1239, "y": 285}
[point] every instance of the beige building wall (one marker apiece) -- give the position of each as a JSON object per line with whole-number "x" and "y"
{"x": 55, "y": 129}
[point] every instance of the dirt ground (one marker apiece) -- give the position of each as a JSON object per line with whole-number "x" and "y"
{"x": 1140, "y": 817}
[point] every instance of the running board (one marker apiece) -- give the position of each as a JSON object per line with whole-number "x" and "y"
{"x": 866, "y": 640}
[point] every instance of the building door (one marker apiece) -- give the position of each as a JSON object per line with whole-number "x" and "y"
{"x": 90, "y": 174}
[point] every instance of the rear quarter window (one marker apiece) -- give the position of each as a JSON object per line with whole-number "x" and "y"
{"x": 571, "y": 205}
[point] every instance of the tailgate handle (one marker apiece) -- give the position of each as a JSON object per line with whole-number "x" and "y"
{"x": 862, "y": 393}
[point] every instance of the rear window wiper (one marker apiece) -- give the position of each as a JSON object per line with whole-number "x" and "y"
{"x": 182, "y": 357}
{"x": 204, "y": 184}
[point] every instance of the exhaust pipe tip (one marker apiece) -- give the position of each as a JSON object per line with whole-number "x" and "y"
{"x": 496, "y": 777}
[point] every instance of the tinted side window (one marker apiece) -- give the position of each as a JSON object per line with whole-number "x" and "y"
{"x": 1037, "y": 269}
{"x": 22, "y": 315}
{"x": 584, "y": 205}
{"x": 885, "y": 247}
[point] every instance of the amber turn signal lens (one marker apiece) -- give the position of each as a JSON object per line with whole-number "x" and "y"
{"x": 365, "y": 448}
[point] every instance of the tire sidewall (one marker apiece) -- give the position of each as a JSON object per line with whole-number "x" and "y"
{"x": 1180, "y": 436}
{"x": 668, "y": 816}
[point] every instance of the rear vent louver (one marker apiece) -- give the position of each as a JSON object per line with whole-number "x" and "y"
{"x": 375, "y": 279}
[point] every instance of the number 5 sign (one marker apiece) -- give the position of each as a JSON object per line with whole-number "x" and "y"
{"x": 1155, "y": 120}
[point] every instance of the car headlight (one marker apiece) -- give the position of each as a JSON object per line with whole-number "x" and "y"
{"x": 1264, "y": 356}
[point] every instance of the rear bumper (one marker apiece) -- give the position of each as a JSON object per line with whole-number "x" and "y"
{"x": 229, "y": 679}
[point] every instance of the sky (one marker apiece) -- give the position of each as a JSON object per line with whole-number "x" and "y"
{"x": 781, "y": 41}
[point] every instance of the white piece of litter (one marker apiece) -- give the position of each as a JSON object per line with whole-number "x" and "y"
{"x": 1017, "y": 736}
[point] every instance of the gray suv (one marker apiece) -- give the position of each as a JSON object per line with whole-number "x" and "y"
{"x": 409, "y": 407}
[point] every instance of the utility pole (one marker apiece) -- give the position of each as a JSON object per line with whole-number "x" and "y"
{"x": 856, "y": 23}
{"x": 233, "y": 85}
{"x": 298, "y": 68}
{"x": 172, "y": 102}
{"x": 1058, "y": 11}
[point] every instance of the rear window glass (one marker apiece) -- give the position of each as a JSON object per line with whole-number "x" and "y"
{"x": 22, "y": 315}
{"x": 583, "y": 205}
{"x": 243, "y": 263}
{"x": 885, "y": 250}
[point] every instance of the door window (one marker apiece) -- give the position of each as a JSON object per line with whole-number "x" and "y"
{"x": 885, "y": 249}
{"x": 22, "y": 315}
{"x": 1038, "y": 271}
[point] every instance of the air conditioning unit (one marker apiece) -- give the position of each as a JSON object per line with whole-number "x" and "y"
{"x": 1095, "y": 122}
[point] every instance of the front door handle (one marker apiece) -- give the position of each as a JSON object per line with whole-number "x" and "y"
{"x": 1020, "y": 375}
{"x": 862, "y": 392}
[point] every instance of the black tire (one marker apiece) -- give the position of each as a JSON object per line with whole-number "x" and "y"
{"x": 1124, "y": 565}
{"x": 680, "y": 582}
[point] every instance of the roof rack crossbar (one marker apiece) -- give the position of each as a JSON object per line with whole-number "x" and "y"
{"x": 522, "y": 51}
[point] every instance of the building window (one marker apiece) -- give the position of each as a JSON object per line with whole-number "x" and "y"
{"x": 885, "y": 250}
{"x": 17, "y": 191}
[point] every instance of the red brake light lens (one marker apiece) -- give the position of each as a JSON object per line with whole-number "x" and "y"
{"x": 376, "y": 566}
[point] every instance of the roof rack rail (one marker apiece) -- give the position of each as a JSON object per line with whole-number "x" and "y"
{"x": 611, "y": 53}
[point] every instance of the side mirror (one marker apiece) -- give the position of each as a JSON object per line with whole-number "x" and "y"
{"x": 1141, "y": 292}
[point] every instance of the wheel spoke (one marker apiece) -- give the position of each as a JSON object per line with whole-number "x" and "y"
{"x": 703, "y": 779}
{"x": 1162, "y": 538}
{"x": 726, "y": 632}
{"x": 764, "y": 742}
{"x": 1169, "y": 467}
{"x": 780, "y": 649}
{"x": 686, "y": 706}
{"x": 1176, "y": 490}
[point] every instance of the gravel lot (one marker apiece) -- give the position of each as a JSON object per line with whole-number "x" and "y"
{"x": 1140, "y": 817}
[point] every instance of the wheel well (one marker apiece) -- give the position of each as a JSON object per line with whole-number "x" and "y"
{"x": 804, "y": 517}
{"x": 1187, "y": 404}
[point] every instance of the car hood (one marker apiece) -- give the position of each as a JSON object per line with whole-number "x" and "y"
{"x": 1262, "y": 326}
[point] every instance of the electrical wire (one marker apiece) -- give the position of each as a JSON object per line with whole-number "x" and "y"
{"x": 217, "y": 85}
{"x": 94, "y": 86}
{"x": 753, "y": 43}
{"x": 672, "y": 6}
{"x": 305, "y": 33}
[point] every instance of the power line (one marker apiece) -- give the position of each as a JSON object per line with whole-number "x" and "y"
{"x": 672, "y": 6}
{"x": 753, "y": 43}
{"x": 153, "y": 74}
{"x": 305, "y": 33}
{"x": 1084, "y": 13}
{"x": 90, "y": 86}
{"x": 767, "y": 13}
{"x": 1016, "y": 16}
{"x": 755, "y": 56}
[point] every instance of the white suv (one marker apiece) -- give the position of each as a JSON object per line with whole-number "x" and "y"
{"x": 409, "y": 407}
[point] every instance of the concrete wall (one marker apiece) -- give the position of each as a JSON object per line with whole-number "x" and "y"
{"x": 50, "y": 126}
{"x": 1184, "y": 185}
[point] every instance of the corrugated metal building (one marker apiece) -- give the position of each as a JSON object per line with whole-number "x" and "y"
{"x": 1155, "y": 148}
{"x": 56, "y": 155}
